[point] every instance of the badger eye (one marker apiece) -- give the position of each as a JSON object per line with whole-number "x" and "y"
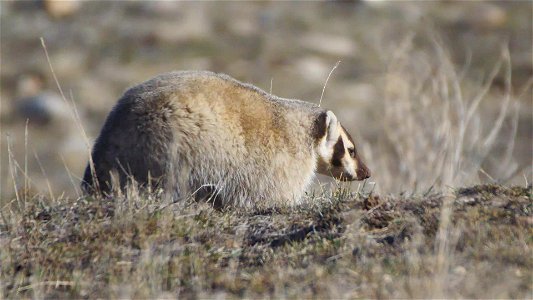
{"x": 351, "y": 151}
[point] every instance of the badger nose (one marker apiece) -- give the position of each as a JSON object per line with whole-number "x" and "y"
{"x": 363, "y": 173}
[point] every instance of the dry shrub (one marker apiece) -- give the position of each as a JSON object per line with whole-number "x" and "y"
{"x": 435, "y": 127}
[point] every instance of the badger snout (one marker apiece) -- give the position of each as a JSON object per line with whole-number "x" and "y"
{"x": 362, "y": 173}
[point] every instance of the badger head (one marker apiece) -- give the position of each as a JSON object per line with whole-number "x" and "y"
{"x": 337, "y": 154}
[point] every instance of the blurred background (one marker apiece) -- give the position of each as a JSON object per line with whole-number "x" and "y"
{"x": 436, "y": 93}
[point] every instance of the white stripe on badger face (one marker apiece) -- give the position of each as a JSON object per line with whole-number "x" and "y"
{"x": 348, "y": 163}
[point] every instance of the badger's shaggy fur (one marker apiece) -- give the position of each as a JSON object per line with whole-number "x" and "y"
{"x": 209, "y": 135}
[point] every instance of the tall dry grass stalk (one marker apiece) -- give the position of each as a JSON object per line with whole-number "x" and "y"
{"x": 75, "y": 114}
{"x": 436, "y": 133}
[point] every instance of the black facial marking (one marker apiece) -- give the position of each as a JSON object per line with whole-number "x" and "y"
{"x": 338, "y": 153}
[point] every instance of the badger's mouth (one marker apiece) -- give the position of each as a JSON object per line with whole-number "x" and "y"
{"x": 360, "y": 176}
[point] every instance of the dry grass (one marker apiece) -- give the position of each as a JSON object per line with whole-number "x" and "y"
{"x": 431, "y": 241}
{"x": 349, "y": 246}
{"x": 439, "y": 130}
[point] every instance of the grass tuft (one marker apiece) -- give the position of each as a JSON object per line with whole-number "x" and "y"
{"x": 354, "y": 245}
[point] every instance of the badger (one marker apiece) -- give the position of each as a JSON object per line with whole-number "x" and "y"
{"x": 208, "y": 135}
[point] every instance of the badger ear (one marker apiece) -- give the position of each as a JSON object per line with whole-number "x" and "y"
{"x": 332, "y": 128}
{"x": 326, "y": 125}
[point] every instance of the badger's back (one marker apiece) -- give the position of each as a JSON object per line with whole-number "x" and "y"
{"x": 209, "y": 135}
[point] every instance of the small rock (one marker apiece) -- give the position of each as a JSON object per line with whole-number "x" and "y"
{"x": 42, "y": 108}
{"x": 60, "y": 8}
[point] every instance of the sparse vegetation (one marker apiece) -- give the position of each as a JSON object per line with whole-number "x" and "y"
{"x": 444, "y": 129}
{"x": 350, "y": 246}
